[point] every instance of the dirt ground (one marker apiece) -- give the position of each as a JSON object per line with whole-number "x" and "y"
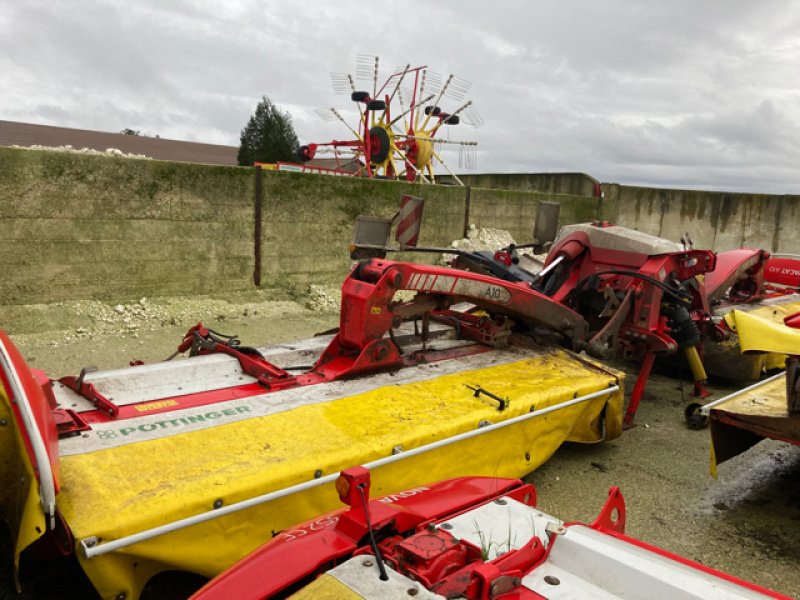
{"x": 746, "y": 523}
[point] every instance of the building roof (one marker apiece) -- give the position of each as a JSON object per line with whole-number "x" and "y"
{"x": 13, "y": 133}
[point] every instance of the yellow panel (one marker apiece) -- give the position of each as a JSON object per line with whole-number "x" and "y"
{"x": 119, "y": 491}
{"x": 766, "y": 400}
{"x": 763, "y": 330}
{"x": 763, "y": 408}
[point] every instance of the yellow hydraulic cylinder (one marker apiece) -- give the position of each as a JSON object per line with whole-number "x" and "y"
{"x": 695, "y": 363}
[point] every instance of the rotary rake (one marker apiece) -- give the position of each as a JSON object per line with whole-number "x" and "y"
{"x": 399, "y": 133}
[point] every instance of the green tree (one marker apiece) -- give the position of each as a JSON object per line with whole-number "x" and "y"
{"x": 268, "y": 136}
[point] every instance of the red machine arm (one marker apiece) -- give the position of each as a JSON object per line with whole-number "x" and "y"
{"x": 369, "y": 313}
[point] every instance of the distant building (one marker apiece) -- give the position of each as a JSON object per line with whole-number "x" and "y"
{"x": 13, "y": 133}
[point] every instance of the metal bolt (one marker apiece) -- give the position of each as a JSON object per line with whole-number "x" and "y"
{"x": 501, "y": 502}
{"x": 397, "y": 449}
{"x": 412, "y": 591}
{"x": 218, "y": 503}
{"x": 446, "y": 526}
{"x": 527, "y": 456}
{"x": 317, "y": 473}
{"x": 552, "y": 580}
{"x": 3, "y": 422}
{"x": 380, "y": 352}
{"x": 367, "y": 563}
{"x": 121, "y": 596}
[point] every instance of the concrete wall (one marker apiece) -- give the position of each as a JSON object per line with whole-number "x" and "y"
{"x": 573, "y": 184}
{"x": 718, "y": 220}
{"x": 76, "y": 226}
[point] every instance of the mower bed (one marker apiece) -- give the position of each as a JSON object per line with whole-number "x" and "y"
{"x": 196, "y": 437}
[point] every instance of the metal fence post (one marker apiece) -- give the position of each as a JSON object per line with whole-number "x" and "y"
{"x": 259, "y": 197}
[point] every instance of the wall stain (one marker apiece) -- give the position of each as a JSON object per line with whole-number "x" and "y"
{"x": 726, "y": 211}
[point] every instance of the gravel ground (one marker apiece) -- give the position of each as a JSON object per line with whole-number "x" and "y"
{"x": 747, "y": 522}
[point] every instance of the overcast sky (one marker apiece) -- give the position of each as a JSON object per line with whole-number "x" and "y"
{"x": 671, "y": 93}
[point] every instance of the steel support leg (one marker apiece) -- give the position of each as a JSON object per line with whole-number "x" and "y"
{"x": 638, "y": 389}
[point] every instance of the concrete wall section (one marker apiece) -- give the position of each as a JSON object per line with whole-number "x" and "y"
{"x": 79, "y": 226}
{"x": 573, "y": 184}
{"x": 718, "y": 220}
{"x": 789, "y": 226}
{"x": 515, "y": 211}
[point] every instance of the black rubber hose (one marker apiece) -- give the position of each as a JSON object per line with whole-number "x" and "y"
{"x": 678, "y": 295}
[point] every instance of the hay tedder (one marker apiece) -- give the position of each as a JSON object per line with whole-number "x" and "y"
{"x": 399, "y": 129}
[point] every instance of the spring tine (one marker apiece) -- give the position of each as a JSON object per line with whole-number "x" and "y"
{"x": 367, "y": 68}
{"x": 338, "y": 116}
{"x": 431, "y": 83}
{"x": 472, "y": 116}
{"x": 325, "y": 114}
{"x": 342, "y": 83}
{"x": 457, "y": 88}
{"x": 405, "y": 112}
{"x": 469, "y": 114}
{"x": 402, "y": 74}
{"x": 365, "y": 65}
{"x": 467, "y": 157}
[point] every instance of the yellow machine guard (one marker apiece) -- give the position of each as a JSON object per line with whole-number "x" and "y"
{"x": 120, "y": 491}
{"x": 762, "y": 407}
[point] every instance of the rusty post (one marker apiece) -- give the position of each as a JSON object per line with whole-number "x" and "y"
{"x": 259, "y": 198}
